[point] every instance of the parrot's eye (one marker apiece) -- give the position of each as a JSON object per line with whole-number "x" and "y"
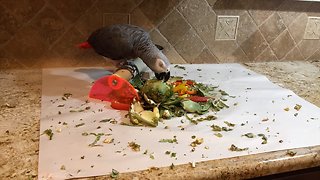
{"x": 163, "y": 76}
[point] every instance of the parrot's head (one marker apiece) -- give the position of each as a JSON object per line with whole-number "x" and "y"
{"x": 161, "y": 69}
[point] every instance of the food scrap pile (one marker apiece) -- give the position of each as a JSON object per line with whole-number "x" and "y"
{"x": 175, "y": 98}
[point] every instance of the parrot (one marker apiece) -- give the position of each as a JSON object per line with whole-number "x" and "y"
{"x": 123, "y": 42}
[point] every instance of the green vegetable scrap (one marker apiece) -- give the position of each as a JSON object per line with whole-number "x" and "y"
{"x": 249, "y": 135}
{"x": 174, "y": 98}
{"x": 229, "y": 124}
{"x": 78, "y": 125}
{"x": 218, "y": 135}
{"x": 264, "y": 138}
{"x": 196, "y": 142}
{"x": 218, "y": 128}
{"x": 134, "y": 146}
{"x": 105, "y": 120}
{"x": 297, "y": 107}
{"x": 49, "y": 133}
{"x": 98, "y": 137}
{"x": 179, "y": 67}
{"x": 66, "y": 96}
{"x": 291, "y": 153}
{"x": 235, "y": 148}
{"x": 174, "y": 140}
{"x": 114, "y": 174}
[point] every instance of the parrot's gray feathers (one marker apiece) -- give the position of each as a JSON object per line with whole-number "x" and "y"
{"x": 124, "y": 42}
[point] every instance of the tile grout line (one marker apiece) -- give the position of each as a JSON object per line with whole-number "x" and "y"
{"x": 68, "y": 27}
{"x": 192, "y": 28}
{"x": 293, "y": 38}
{"x": 25, "y": 24}
{"x": 268, "y": 45}
{"x": 206, "y": 46}
{"x": 169, "y": 43}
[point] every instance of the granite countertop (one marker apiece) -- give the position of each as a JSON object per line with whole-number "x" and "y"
{"x": 20, "y": 104}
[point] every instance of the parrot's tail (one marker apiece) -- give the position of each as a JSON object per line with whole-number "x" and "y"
{"x": 84, "y": 45}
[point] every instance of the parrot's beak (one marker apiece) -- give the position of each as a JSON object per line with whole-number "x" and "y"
{"x": 163, "y": 76}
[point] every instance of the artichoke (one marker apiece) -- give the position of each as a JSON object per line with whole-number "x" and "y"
{"x": 156, "y": 90}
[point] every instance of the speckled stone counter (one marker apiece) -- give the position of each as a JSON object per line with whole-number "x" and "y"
{"x": 20, "y": 103}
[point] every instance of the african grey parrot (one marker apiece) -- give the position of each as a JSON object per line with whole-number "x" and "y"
{"x": 124, "y": 42}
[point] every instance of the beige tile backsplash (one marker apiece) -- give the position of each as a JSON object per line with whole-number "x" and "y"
{"x": 44, "y": 33}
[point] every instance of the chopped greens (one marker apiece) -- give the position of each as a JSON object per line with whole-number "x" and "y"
{"x": 134, "y": 146}
{"x": 98, "y": 137}
{"x": 49, "y": 133}
{"x": 78, "y": 125}
{"x": 198, "y": 141}
{"x": 105, "y": 120}
{"x": 114, "y": 174}
{"x": 180, "y": 67}
{"x": 249, "y": 135}
{"x": 174, "y": 140}
{"x": 175, "y": 98}
{"x": 291, "y": 153}
{"x": 264, "y": 138}
{"x": 297, "y": 107}
{"x": 196, "y": 121}
{"x": 66, "y": 96}
{"x": 235, "y": 148}
{"x": 229, "y": 124}
{"x": 218, "y": 135}
{"x": 218, "y": 128}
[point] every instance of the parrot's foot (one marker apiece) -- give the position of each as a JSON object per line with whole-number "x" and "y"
{"x": 163, "y": 76}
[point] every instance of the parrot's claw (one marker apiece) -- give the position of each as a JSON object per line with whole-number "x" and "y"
{"x": 163, "y": 76}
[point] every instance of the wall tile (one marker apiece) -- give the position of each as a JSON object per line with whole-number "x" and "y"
{"x": 266, "y": 55}
{"x": 246, "y": 28}
{"x": 282, "y": 45}
{"x": 156, "y": 10}
{"x": 168, "y": 50}
{"x": 26, "y": 46}
{"x": 115, "y": 6}
{"x": 9, "y": 24}
{"x": 174, "y": 27}
{"x": 293, "y": 55}
{"x": 227, "y": 51}
{"x": 290, "y": 10}
{"x": 190, "y": 46}
{"x": 115, "y": 18}
{"x": 261, "y": 10}
{"x": 66, "y": 46}
{"x": 206, "y": 28}
{"x": 315, "y": 56}
{"x": 272, "y": 28}
{"x": 228, "y": 7}
{"x": 23, "y": 10}
{"x": 49, "y": 25}
{"x": 211, "y": 2}
{"x": 254, "y": 45}
{"x": 138, "y": 18}
{"x": 308, "y": 47}
{"x": 194, "y": 11}
{"x": 9, "y": 63}
{"x": 313, "y": 9}
{"x": 36, "y": 33}
{"x": 71, "y": 9}
{"x": 89, "y": 22}
{"x": 205, "y": 57}
{"x": 297, "y": 27}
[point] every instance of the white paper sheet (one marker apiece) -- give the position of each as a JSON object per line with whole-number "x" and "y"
{"x": 260, "y": 109}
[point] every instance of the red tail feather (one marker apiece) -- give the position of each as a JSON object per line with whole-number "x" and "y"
{"x": 84, "y": 45}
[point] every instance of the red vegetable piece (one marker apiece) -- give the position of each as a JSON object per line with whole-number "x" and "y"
{"x": 198, "y": 99}
{"x": 120, "y": 106}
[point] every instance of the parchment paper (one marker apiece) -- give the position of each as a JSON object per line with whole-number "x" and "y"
{"x": 259, "y": 107}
